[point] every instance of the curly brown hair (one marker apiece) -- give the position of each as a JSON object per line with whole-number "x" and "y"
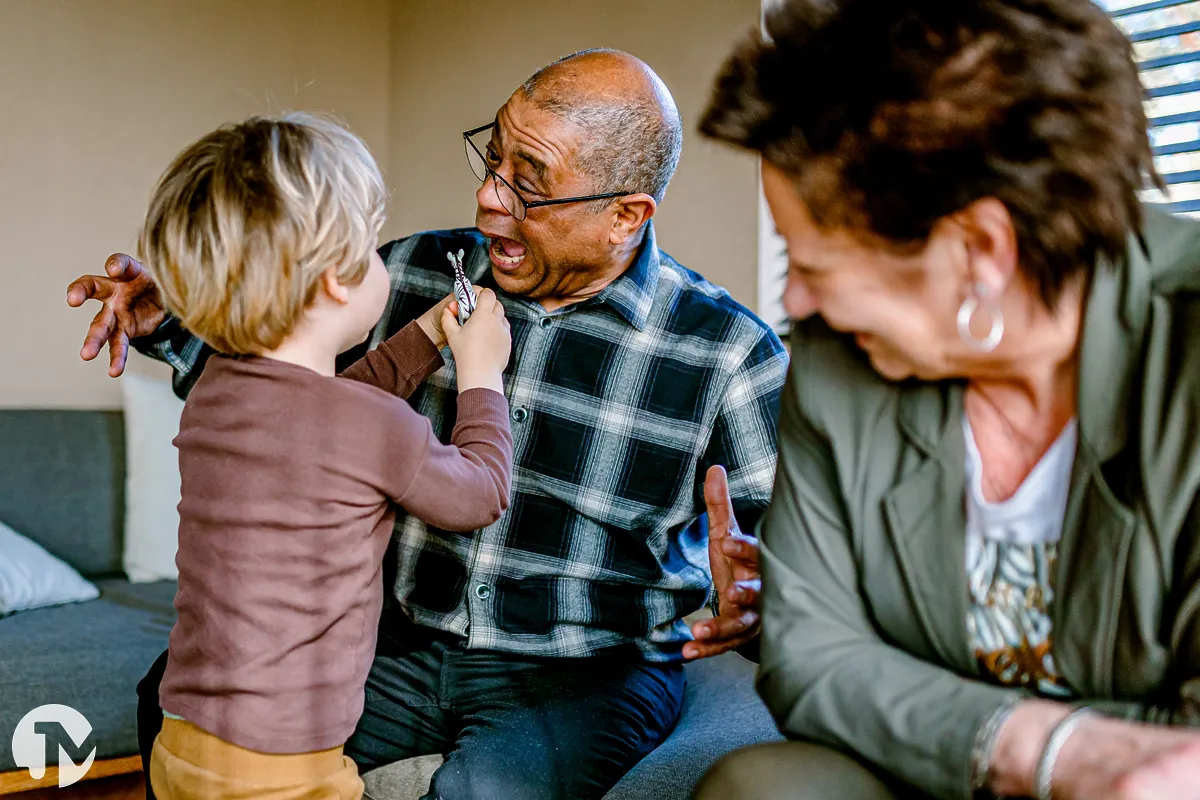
{"x": 890, "y": 115}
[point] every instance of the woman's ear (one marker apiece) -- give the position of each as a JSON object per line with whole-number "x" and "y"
{"x": 991, "y": 243}
{"x": 334, "y": 288}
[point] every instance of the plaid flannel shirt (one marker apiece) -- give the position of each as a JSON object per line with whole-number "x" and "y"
{"x": 619, "y": 405}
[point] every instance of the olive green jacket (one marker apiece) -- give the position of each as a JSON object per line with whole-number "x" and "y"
{"x": 865, "y": 643}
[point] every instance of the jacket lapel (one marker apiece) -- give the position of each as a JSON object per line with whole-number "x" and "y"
{"x": 1098, "y": 528}
{"x": 1092, "y": 558}
{"x": 927, "y": 523}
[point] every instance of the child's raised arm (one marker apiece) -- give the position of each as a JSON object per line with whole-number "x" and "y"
{"x": 461, "y": 486}
{"x": 400, "y": 364}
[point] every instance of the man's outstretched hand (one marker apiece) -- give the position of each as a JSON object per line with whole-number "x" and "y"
{"x": 132, "y": 308}
{"x": 733, "y": 557}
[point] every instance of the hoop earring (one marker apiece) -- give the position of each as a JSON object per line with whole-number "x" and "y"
{"x": 966, "y": 313}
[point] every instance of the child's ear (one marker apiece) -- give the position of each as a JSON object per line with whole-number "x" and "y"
{"x": 336, "y": 290}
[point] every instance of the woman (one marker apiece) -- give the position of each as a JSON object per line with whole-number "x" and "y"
{"x": 986, "y": 509}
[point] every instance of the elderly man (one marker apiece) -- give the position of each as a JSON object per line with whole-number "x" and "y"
{"x": 543, "y": 654}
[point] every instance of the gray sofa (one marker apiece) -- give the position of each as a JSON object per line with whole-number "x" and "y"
{"x": 62, "y": 479}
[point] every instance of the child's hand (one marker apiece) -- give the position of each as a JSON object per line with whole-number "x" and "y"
{"x": 482, "y": 346}
{"x": 431, "y": 321}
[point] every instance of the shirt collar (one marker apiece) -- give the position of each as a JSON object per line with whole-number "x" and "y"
{"x": 632, "y": 294}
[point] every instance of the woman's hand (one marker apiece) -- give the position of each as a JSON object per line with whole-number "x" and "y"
{"x": 1104, "y": 759}
{"x": 1110, "y": 759}
{"x": 1172, "y": 775}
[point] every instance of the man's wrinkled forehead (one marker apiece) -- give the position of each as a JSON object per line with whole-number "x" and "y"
{"x": 547, "y": 132}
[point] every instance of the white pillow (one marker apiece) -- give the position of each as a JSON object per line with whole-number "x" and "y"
{"x": 32, "y": 578}
{"x": 151, "y": 478}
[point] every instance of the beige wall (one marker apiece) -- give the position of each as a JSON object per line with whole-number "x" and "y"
{"x": 99, "y": 94}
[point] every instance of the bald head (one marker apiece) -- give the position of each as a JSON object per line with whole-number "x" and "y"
{"x": 629, "y": 128}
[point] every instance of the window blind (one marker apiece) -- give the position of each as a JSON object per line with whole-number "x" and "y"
{"x": 1166, "y": 44}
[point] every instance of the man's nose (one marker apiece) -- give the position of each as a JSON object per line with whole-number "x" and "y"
{"x": 488, "y": 197}
{"x": 798, "y": 300}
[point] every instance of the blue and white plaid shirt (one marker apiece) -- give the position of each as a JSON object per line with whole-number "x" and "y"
{"x": 619, "y": 406}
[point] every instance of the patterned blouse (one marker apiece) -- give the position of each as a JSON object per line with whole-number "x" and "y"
{"x": 1011, "y": 550}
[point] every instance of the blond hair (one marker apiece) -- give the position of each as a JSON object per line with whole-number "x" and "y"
{"x": 244, "y": 222}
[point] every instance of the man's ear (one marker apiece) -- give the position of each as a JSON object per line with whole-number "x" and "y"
{"x": 334, "y": 288}
{"x": 991, "y": 242}
{"x": 630, "y": 213}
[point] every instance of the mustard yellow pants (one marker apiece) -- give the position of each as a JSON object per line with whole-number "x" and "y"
{"x": 188, "y": 763}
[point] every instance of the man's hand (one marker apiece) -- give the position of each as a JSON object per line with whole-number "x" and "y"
{"x": 132, "y": 308}
{"x": 733, "y": 558}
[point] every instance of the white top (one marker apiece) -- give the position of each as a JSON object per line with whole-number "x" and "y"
{"x": 1035, "y": 513}
{"x": 1011, "y": 552}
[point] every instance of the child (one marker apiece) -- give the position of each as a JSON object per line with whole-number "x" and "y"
{"x": 261, "y": 238}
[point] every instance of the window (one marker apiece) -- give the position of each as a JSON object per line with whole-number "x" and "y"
{"x": 772, "y": 254}
{"x": 1166, "y": 44}
{"x": 772, "y": 269}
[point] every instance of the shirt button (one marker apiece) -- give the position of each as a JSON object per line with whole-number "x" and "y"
{"x": 483, "y": 591}
{"x": 520, "y": 414}
{"x": 546, "y": 322}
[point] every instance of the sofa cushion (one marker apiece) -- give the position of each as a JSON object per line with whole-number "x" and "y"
{"x": 152, "y": 486}
{"x": 32, "y": 578}
{"x": 89, "y": 656}
{"x": 405, "y": 780}
{"x": 62, "y": 484}
{"x": 721, "y": 712}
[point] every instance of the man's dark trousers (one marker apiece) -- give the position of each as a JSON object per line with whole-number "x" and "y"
{"x": 511, "y": 727}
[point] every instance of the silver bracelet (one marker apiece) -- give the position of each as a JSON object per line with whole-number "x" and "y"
{"x": 1042, "y": 789}
{"x": 985, "y": 743}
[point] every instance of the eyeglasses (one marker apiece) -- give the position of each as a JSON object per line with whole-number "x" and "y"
{"x": 508, "y": 196}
